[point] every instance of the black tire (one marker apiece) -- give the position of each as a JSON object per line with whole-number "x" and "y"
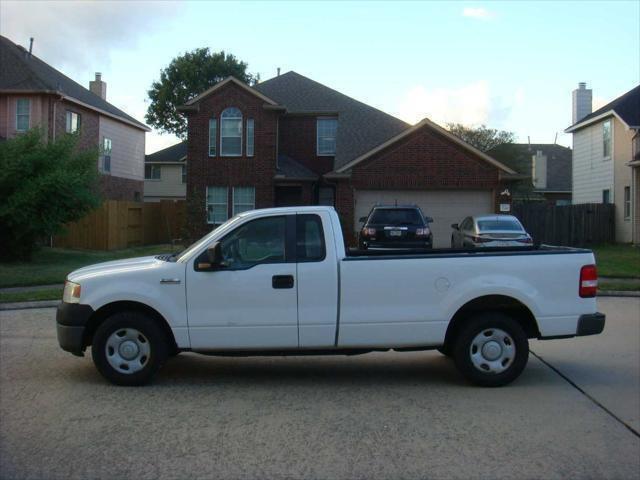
{"x": 485, "y": 322}
{"x": 444, "y": 350}
{"x": 152, "y": 333}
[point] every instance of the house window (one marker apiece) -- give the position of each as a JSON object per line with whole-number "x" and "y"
{"x": 152, "y": 172}
{"x": 605, "y": 196}
{"x": 184, "y": 174}
{"x": 326, "y": 136}
{"x": 23, "y": 111}
{"x": 231, "y": 133}
{"x": 244, "y": 198}
{"x": 627, "y": 203}
{"x": 217, "y": 205}
{"x": 606, "y": 139}
{"x": 213, "y": 133}
{"x": 249, "y": 137}
{"x": 106, "y": 154}
{"x": 73, "y": 122}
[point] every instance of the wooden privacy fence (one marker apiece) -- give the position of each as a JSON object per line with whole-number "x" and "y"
{"x": 570, "y": 225}
{"x": 120, "y": 224}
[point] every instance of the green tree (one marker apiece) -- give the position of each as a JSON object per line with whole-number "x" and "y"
{"x": 44, "y": 185}
{"x": 187, "y": 76}
{"x": 482, "y": 137}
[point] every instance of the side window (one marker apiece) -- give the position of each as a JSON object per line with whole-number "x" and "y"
{"x": 309, "y": 238}
{"x": 259, "y": 241}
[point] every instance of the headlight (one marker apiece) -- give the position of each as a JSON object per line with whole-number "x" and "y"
{"x": 71, "y": 292}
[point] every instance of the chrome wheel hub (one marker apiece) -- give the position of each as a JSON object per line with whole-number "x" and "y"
{"x": 127, "y": 350}
{"x": 492, "y": 351}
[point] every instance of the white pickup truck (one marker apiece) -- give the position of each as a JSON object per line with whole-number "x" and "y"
{"x": 281, "y": 282}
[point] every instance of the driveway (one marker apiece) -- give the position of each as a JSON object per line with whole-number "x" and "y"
{"x": 381, "y": 415}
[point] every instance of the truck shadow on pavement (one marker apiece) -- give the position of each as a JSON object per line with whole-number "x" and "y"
{"x": 377, "y": 370}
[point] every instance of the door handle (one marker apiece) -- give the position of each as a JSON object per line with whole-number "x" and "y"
{"x": 282, "y": 281}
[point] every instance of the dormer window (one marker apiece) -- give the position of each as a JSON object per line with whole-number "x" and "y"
{"x": 326, "y": 136}
{"x": 231, "y": 133}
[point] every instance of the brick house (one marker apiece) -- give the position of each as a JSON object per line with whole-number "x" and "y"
{"x": 34, "y": 94}
{"x": 293, "y": 141}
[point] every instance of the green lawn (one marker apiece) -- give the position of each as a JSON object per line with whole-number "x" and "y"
{"x": 618, "y": 261}
{"x": 48, "y": 294}
{"x": 51, "y": 265}
{"x": 619, "y": 286}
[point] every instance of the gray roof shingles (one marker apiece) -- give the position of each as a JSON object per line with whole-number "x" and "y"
{"x": 627, "y": 106}
{"x": 518, "y": 156}
{"x": 174, "y": 153}
{"x": 360, "y": 126}
{"x": 291, "y": 169}
{"x": 23, "y": 72}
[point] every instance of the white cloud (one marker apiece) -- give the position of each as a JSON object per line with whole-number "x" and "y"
{"x": 470, "y": 104}
{"x": 72, "y": 35}
{"x": 477, "y": 12}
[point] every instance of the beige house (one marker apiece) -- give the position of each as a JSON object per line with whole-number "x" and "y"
{"x": 165, "y": 174}
{"x": 606, "y": 162}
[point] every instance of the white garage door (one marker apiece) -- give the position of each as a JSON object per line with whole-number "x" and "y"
{"x": 444, "y": 206}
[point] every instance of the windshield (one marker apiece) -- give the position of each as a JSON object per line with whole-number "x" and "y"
{"x": 396, "y": 216}
{"x": 207, "y": 238}
{"x": 500, "y": 225}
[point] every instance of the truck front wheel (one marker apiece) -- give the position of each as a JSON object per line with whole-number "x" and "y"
{"x": 128, "y": 348}
{"x": 491, "y": 350}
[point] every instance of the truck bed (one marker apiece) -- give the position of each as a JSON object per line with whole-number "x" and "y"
{"x": 357, "y": 254}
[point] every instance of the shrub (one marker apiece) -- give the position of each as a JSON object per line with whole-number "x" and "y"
{"x": 43, "y": 185}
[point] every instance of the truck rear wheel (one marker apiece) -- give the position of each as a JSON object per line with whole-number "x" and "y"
{"x": 491, "y": 350}
{"x": 129, "y": 348}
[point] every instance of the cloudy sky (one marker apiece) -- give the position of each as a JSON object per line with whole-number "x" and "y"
{"x": 510, "y": 65}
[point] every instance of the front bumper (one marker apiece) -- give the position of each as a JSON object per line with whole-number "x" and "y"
{"x": 591, "y": 324}
{"x": 71, "y": 323}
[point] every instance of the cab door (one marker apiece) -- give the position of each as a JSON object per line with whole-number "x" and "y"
{"x": 250, "y": 301}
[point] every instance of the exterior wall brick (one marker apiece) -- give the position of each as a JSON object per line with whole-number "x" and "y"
{"x": 89, "y": 124}
{"x": 297, "y": 139}
{"x": 119, "y": 188}
{"x": 256, "y": 171}
{"x": 424, "y": 160}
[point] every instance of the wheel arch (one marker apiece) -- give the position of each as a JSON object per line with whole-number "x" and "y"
{"x": 109, "y": 309}
{"x": 494, "y": 303}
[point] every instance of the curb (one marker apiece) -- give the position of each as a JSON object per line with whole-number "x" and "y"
{"x": 617, "y": 293}
{"x": 28, "y": 305}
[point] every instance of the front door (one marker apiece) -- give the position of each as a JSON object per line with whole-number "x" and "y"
{"x": 288, "y": 196}
{"x": 250, "y": 301}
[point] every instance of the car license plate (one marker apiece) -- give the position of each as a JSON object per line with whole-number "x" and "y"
{"x": 503, "y": 244}
{"x": 395, "y": 233}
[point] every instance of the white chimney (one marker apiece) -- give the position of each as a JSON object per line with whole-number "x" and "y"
{"x": 581, "y": 102}
{"x": 98, "y": 87}
{"x": 539, "y": 170}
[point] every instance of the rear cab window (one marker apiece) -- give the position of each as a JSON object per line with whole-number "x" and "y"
{"x": 310, "y": 245}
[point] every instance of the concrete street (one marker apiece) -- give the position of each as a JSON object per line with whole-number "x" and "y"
{"x": 383, "y": 415}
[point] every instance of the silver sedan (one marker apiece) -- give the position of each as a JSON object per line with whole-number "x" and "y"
{"x": 489, "y": 231}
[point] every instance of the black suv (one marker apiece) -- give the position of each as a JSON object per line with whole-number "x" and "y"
{"x": 396, "y": 227}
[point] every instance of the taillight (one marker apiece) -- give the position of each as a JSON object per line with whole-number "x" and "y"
{"x": 368, "y": 232}
{"x": 422, "y": 232}
{"x": 588, "y": 281}
{"x": 525, "y": 240}
{"x": 480, "y": 239}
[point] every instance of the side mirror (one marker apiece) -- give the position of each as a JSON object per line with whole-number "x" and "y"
{"x": 214, "y": 253}
{"x": 363, "y": 219}
{"x": 428, "y": 219}
{"x": 455, "y": 226}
